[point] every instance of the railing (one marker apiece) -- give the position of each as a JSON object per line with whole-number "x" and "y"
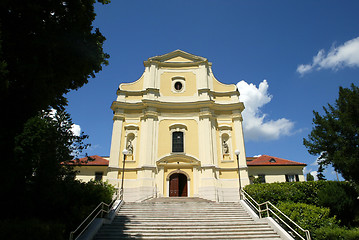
{"x": 268, "y": 211}
{"x": 101, "y": 209}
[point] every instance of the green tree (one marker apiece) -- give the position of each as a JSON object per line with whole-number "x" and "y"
{"x": 47, "y": 48}
{"x": 310, "y": 177}
{"x": 320, "y": 174}
{"x": 335, "y": 135}
{"x": 46, "y": 142}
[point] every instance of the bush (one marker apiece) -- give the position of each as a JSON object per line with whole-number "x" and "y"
{"x": 336, "y": 233}
{"x": 31, "y": 229}
{"x": 342, "y": 200}
{"x": 68, "y": 203}
{"x": 308, "y": 216}
{"x": 305, "y": 192}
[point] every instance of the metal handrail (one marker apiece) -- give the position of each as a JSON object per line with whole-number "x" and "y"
{"x": 267, "y": 209}
{"x": 102, "y": 210}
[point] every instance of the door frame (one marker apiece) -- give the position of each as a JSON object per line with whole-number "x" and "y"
{"x": 188, "y": 181}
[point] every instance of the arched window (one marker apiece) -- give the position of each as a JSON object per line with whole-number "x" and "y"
{"x": 177, "y": 141}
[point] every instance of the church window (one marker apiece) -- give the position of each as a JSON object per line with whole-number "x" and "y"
{"x": 177, "y": 142}
{"x": 98, "y": 176}
{"x": 178, "y": 86}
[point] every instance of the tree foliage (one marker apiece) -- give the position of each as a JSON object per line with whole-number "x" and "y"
{"x": 335, "y": 135}
{"x": 47, "y": 48}
{"x": 310, "y": 177}
{"x": 47, "y": 141}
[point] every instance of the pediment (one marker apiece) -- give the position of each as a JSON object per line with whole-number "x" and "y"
{"x": 178, "y": 159}
{"x": 178, "y": 56}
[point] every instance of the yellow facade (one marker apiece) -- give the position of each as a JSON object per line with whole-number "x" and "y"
{"x": 181, "y": 127}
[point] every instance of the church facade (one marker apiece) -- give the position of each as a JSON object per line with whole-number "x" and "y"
{"x": 181, "y": 128}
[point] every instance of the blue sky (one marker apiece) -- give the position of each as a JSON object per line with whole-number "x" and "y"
{"x": 253, "y": 41}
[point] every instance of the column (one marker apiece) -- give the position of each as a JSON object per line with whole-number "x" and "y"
{"x": 205, "y": 137}
{"x": 238, "y": 133}
{"x": 116, "y": 151}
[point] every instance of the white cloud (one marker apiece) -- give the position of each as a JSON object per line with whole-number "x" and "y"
{"x": 307, "y": 170}
{"x": 314, "y": 174}
{"x": 254, "y": 123}
{"x": 346, "y": 55}
{"x": 76, "y": 129}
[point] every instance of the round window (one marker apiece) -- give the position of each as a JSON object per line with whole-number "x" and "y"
{"x": 178, "y": 86}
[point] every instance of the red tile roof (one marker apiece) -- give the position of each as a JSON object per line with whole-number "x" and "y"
{"x": 89, "y": 161}
{"x": 266, "y": 160}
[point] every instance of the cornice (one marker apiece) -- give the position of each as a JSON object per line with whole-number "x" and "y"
{"x": 144, "y": 103}
{"x": 218, "y": 94}
{"x": 175, "y": 64}
{"x": 138, "y": 92}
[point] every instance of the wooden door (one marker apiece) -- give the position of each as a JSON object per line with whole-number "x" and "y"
{"x": 174, "y": 185}
{"x": 178, "y": 185}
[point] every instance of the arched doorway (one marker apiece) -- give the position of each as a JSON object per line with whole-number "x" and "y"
{"x": 178, "y": 185}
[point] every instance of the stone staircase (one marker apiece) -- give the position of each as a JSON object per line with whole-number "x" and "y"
{"x": 185, "y": 218}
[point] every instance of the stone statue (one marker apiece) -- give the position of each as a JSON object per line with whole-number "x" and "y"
{"x": 225, "y": 147}
{"x": 129, "y": 147}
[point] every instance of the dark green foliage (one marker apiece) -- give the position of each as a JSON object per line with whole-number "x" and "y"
{"x": 57, "y": 213}
{"x": 342, "y": 200}
{"x": 320, "y": 174}
{"x": 304, "y": 192}
{"x": 336, "y": 233}
{"x": 258, "y": 180}
{"x": 47, "y": 48}
{"x": 335, "y": 134}
{"x": 308, "y": 216}
{"x": 46, "y": 142}
{"x": 310, "y": 177}
{"x": 50, "y": 190}
{"x": 340, "y": 197}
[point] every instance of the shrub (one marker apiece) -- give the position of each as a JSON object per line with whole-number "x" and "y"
{"x": 336, "y": 233}
{"x": 342, "y": 200}
{"x": 31, "y": 229}
{"x": 305, "y": 192}
{"x": 308, "y": 216}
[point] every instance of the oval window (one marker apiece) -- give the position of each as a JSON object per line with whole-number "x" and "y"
{"x": 178, "y": 86}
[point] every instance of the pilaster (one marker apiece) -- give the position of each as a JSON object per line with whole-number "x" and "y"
{"x": 238, "y": 132}
{"x": 148, "y": 137}
{"x": 115, "y": 151}
{"x": 206, "y": 137}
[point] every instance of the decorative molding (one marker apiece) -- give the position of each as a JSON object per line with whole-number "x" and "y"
{"x": 131, "y": 127}
{"x": 119, "y": 117}
{"x": 178, "y": 171}
{"x": 177, "y": 127}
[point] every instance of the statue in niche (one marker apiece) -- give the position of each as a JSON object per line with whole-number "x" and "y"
{"x": 129, "y": 147}
{"x": 225, "y": 147}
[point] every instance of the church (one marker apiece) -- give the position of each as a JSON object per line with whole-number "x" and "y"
{"x": 177, "y": 132}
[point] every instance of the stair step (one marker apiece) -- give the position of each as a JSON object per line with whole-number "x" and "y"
{"x": 187, "y": 226}
{"x": 197, "y": 231}
{"x": 185, "y": 220}
{"x": 232, "y": 236}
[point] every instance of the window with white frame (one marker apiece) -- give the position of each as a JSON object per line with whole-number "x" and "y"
{"x": 292, "y": 178}
{"x": 177, "y": 142}
{"x": 178, "y": 84}
{"x": 178, "y": 137}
